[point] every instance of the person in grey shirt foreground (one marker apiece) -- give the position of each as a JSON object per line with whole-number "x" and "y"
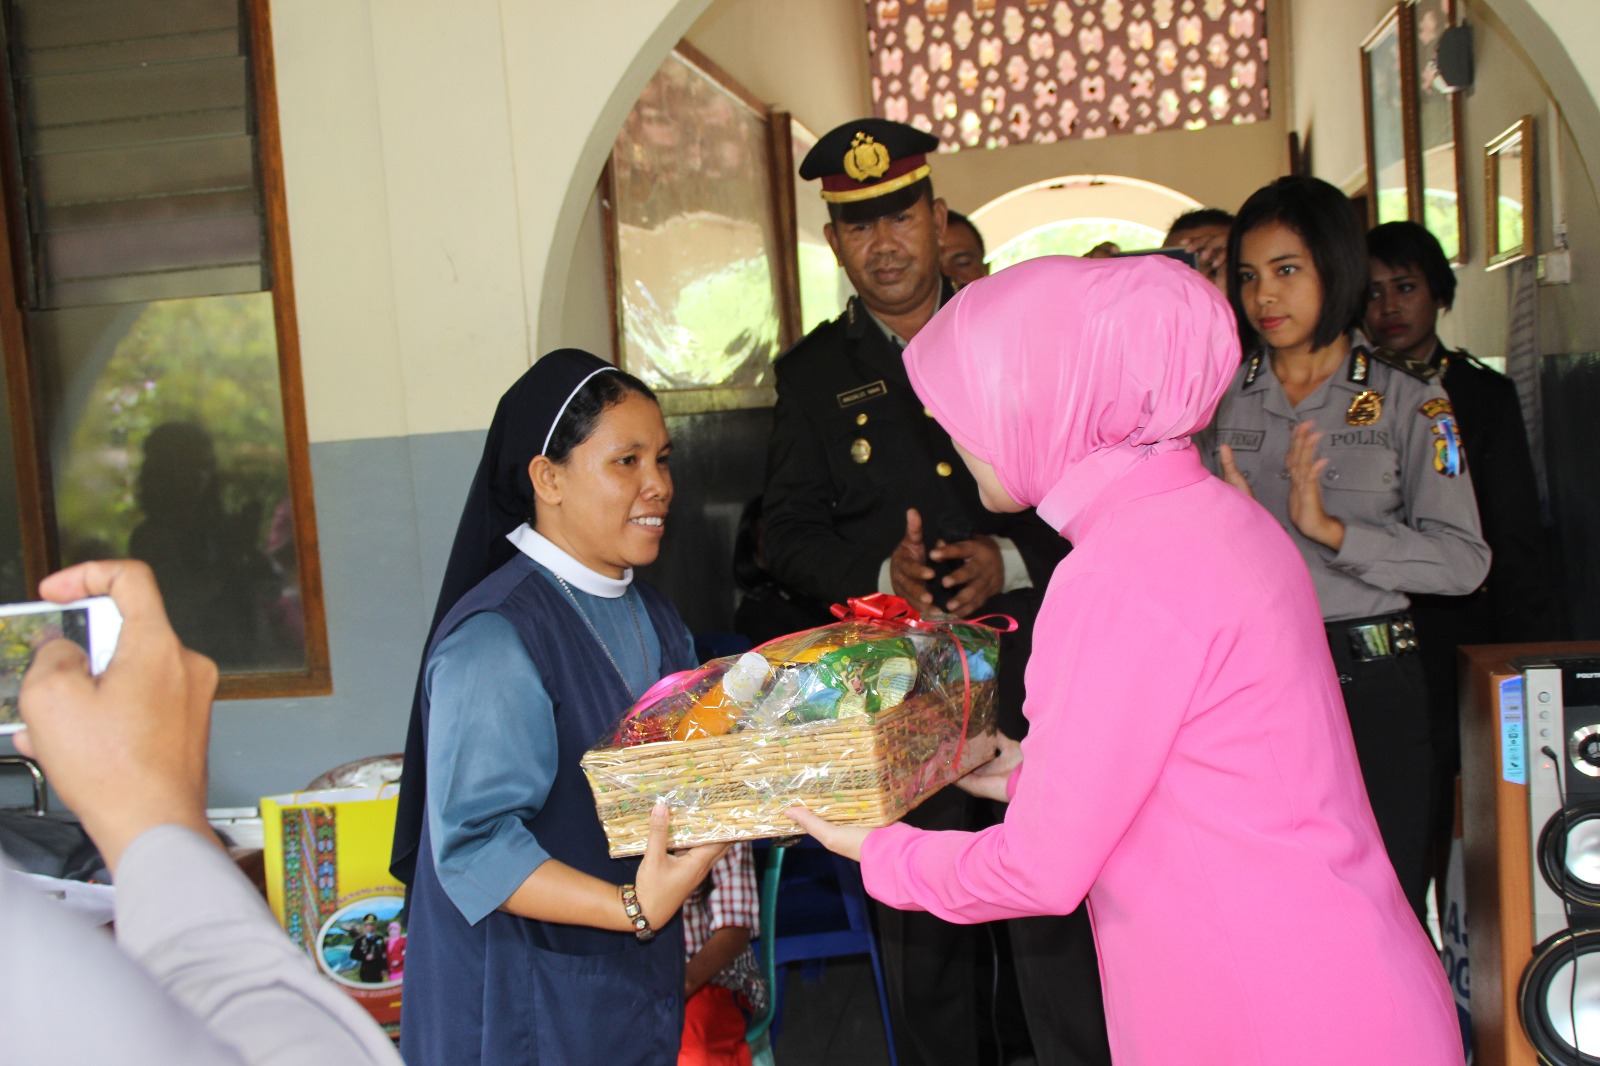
{"x": 199, "y": 972}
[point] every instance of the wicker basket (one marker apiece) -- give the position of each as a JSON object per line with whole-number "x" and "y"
{"x": 857, "y": 771}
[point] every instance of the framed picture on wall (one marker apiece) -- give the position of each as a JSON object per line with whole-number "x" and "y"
{"x": 700, "y": 258}
{"x": 1388, "y": 75}
{"x": 1509, "y": 191}
{"x": 1440, "y": 152}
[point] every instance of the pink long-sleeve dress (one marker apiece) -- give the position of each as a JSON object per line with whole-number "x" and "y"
{"x": 1189, "y": 767}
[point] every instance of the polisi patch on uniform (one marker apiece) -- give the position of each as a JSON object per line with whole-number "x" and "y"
{"x": 863, "y": 394}
{"x": 1241, "y": 440}
{"x": 1448, "y": 458}
{"x": 1359, "y": 438}
{"x": 1435, "y": 407}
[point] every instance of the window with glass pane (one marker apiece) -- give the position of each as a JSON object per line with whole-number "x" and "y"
{"x": 824, "y": 289}
{"x": 696, "y": 240}
{"x": 152, "y": 324}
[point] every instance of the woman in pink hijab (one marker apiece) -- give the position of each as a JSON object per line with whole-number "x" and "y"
{"x": 1189, "y": 766}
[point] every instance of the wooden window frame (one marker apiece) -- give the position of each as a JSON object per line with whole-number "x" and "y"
{"x": 1457, "y": 131}
{"x": 35, "y": 496}
{"x": 1521, "y": 134}
{"x": 1397, "y": 21}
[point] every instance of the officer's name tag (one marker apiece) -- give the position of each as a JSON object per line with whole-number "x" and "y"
{"x": 1241, "y": 440}
{"x": 864, "y": 393}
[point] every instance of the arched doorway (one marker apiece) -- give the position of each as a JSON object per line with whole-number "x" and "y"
{"x": 1070, "y": 215}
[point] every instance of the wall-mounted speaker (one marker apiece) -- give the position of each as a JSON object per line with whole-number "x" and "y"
{"x": 1453, "y": 60}
{"x": 1530, "y": 788}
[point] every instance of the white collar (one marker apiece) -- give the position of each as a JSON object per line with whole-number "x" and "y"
{"x": 544, "y": 551}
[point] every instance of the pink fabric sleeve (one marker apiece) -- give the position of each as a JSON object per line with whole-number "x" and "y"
{"x": 1110, "y": 683}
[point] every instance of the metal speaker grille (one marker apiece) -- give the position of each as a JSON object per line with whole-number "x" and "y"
{"x": 1569, "y": 853}
{"x": 1548, "y": 1001}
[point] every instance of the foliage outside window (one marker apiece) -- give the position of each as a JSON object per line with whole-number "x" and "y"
{"x": 699, "y": 261}
{"x": 156, "y": 336}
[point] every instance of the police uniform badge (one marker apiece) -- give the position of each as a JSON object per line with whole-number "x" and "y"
{"x": 1360, "y": 369}
{"x": 1449, "y": 458}
{"x": 866, "y": 158}
{"x": 869, "y": 167}
{"x": 1250, "y": 375}
{"x": 1365, "y": 409}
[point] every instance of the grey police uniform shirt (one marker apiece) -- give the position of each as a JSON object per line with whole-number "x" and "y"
{"x": 200, "y": 973}
{"x": 1396, "y": 477}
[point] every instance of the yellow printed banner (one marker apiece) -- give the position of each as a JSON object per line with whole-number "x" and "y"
{"x": 328, "y": 882}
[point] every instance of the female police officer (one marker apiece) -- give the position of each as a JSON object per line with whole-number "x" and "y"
{"x": 1356, "y": 452}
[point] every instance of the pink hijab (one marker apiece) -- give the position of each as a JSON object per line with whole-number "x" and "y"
{"x": 1065, "y": 373}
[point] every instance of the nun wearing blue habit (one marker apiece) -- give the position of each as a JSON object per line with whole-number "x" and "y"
{"x": 526, "y": 943}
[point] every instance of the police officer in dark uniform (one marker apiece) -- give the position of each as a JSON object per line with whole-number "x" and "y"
{"x": 369, "y": 952}
{"x": 865, "y": 493}
{"x": 1411, "y": 283}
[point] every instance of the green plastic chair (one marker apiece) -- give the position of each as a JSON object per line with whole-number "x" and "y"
{"x": 758, "y": 1032}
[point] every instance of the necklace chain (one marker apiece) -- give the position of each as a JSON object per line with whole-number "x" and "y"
{"x": 638, "y": 632}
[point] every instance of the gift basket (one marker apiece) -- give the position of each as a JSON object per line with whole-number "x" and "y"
{"x": 858, "y": 721}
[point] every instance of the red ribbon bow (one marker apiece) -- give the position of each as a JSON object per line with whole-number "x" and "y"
{"x": 879, "y": 606}
{"x": 882, "y": 607}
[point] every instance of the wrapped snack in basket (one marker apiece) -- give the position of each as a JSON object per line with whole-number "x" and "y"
{"x": 859, "y": 721}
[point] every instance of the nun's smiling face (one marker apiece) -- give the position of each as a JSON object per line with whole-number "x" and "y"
{"x": 606, "y": 506}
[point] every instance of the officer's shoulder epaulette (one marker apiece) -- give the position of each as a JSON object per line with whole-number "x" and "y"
{"x": 822, "y": 335}
{"x": 1473, "y": 361}
{"x": 1416, "y": 368}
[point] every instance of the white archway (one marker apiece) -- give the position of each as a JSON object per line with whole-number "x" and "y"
{"x": 1030, "y": 207}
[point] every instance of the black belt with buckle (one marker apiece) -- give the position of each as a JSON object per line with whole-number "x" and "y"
{"x": 1370, "y": 639}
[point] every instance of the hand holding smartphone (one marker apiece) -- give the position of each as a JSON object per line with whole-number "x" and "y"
{"x": 93, "y": 624}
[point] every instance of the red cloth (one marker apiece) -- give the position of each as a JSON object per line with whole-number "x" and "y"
{"x": 713, "y": 1030}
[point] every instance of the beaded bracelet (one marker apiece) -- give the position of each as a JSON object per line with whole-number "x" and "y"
{"x": 635, "y": 913}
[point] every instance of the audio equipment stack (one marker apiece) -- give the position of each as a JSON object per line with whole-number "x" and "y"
{"x": 1530, "y": 749}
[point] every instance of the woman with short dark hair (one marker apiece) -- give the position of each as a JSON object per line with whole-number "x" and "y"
{"x": 1356, "y": 452}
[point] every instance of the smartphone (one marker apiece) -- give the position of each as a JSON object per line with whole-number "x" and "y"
{"x": 950, "y": 534}
{"x": 1182, "y": 255}
{"x": 92, "y": 624}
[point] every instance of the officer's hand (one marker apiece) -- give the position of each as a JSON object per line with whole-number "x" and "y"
{"x": 908, "y": 566}
{"x": 1230, "y": 471}
{"x": 1305, "y": 490}
{"x": 981, "y": 574}
{"x": 1211, "y": 257}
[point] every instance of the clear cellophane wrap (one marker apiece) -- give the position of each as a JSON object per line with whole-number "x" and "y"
{"x": 858, "y": 721}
